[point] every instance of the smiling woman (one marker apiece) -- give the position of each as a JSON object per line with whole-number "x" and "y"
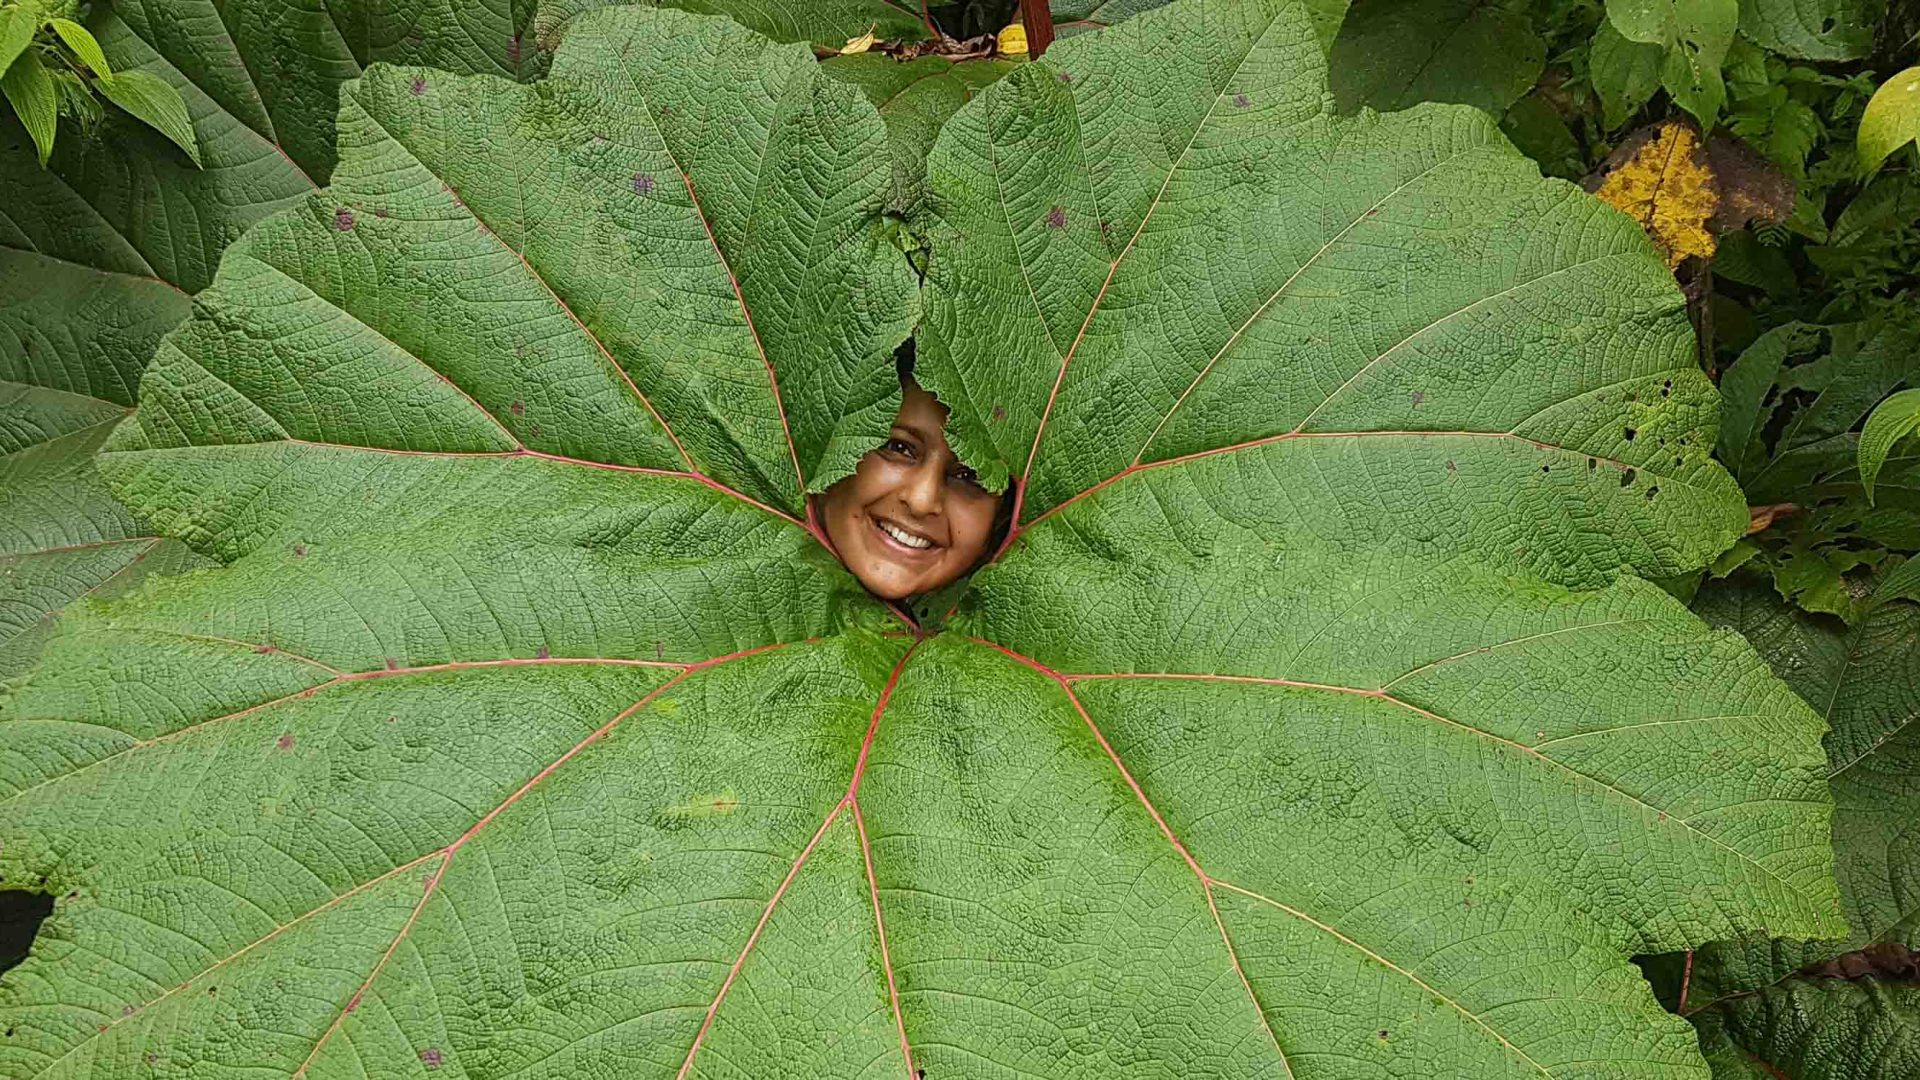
{"x": 912, "y": 517}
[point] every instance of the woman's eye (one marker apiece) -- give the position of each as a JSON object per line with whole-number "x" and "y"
{"x": 898, "y": 447}
{"x": 964, "y": 475}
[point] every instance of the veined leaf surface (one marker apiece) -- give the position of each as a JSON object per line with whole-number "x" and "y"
{"x": 530, "y": 731}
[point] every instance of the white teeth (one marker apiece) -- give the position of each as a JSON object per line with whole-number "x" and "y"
{"x": 904, "y": 537}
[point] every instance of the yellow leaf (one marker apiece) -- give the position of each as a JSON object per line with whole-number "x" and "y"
{"x": 1665, "y": 184}
{"x": 1013, "y": 40}
{"x": 860, "y": 44}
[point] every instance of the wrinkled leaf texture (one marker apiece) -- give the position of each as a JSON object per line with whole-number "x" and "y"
{"x": 100, "y": 252}
{"x": 1305, "y": 728}
{"x": 1744, "y": 993}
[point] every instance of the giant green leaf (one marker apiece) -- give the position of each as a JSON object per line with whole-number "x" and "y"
{"x": 1394, "y": 53}
{"x": 99, "y": 253}
{"x": 914, "y": 98}
{"x": 829, "y": 22}
{"x": 1081, "y": 16}
{"x": 530, "y": 730}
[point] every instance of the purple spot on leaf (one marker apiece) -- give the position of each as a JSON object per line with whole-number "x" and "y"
{"x": 643, "y": 183}
{"x": 430, "y": 1057}
{"x": 517, "y": 409}
{"x": 380, "y": 214}
{"x": 1240, "y": 100}
{"x": 263, "y": 649}
{"x": 299, "y": 551}
{"x": 392, "y": 664}
{"x": 1057, "y": 218}
{"x": 419, "y": 86}
{"x": 999, "y": 412}
{"x": 543, "y": 653}
{"x": 1065, "y": 78}
{"x": 513, "y": 50}
{"x": 284, "y": 742}
{"x": 343, "y": 219}
{"x": 1417, "y": 397}
{"x": 1451, "y": 467}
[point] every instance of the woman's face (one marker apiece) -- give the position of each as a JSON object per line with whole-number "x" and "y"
{"x": 911, "y": 518}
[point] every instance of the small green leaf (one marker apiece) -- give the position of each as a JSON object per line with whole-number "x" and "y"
{"x": 16, "y": 33}
{"x": 1624, "y": 73}
{"x": 1696, "y": 35}
{"x": 30, "y": 89}
{"x": 1892, "y": 119}
{"x": 151, "y": 100}
{"x": 81, "y": 41}
{"x": 1892, "y": 420}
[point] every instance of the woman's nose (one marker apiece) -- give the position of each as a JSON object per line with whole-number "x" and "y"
{"x": 922, "y": 490}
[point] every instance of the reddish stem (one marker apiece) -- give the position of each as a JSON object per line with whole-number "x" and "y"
{"x": 1037, "y": 17}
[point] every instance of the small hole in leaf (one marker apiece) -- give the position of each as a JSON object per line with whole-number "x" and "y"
{"x": 1383, "y": 1033}
{"x": 1677, "y": 462}
{"x": 1652, "y": 491}
{"x": 1626, "y": 478}
{"x": 1592, "y": 464}
{"x": 1546, "y": 468}
{"x": 1826, "y": 25}
{"x": 21, "y": 914}
{"x": 1630, "y": 434}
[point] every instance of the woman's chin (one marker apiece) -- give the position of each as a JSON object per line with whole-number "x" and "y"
{"x": 889, "y": 586}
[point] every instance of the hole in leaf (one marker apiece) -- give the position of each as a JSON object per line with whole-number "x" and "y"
{"x": 21, "y": 914}
{"x": 1630, "y": 434}
{"x": 1652, "y": 491}
{"x": 1626, "y": 478}
{"x": 1826, "y": 25}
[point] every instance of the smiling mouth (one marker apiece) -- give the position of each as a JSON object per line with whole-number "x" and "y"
{"x": 899, "y": 538}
